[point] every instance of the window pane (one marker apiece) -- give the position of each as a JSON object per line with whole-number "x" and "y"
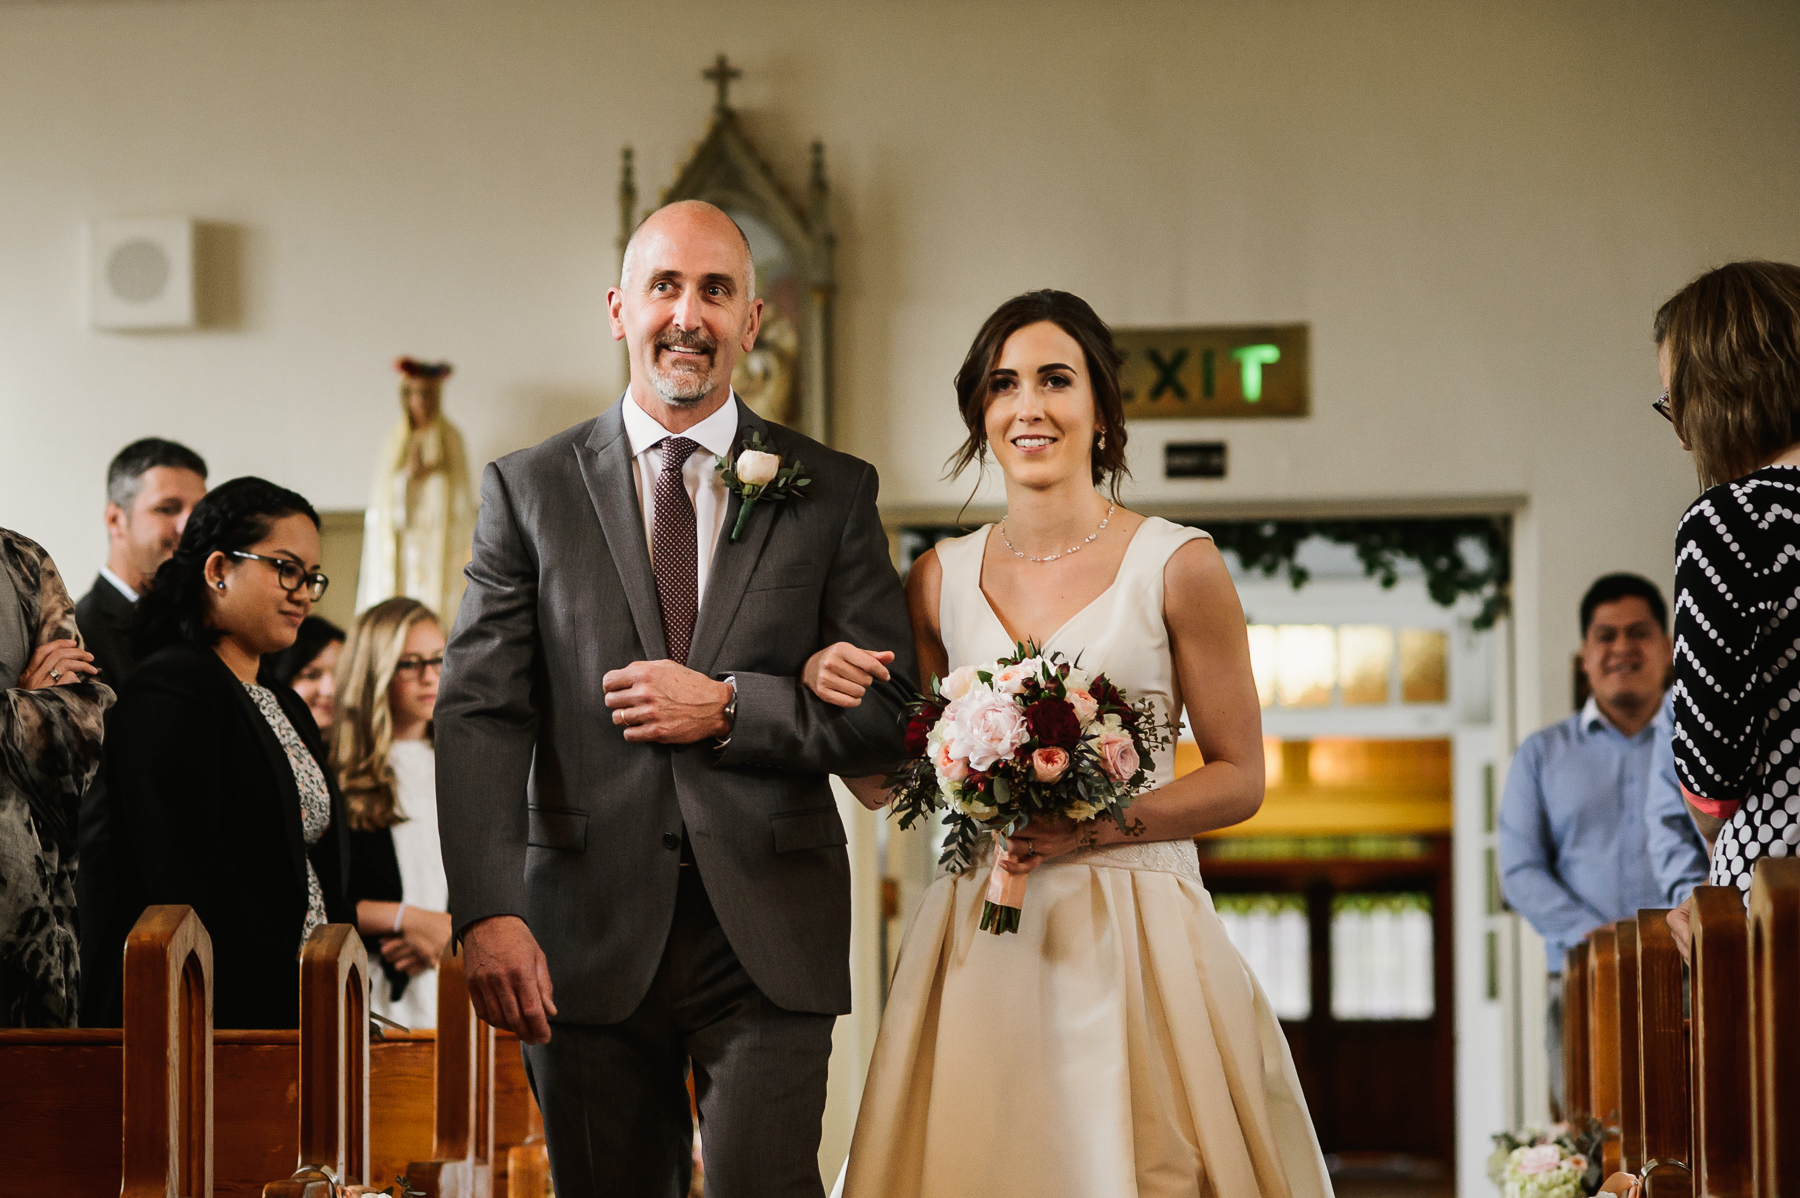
{"x": 1381, "y": 957}
{"x": 1424, "y": 666}
{"x": 1270, "y": 932}
{"x": 1365, "y": 662}
{"x": 1306, "y": 664}
{"x": 1262, "y": 661}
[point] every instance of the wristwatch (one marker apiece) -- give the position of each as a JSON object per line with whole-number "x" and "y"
{"x": 730, "y": 711}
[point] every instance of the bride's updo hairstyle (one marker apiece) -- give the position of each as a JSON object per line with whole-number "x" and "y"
{"x": 1733, "y": 337}
{"x": 1072, "y": 315}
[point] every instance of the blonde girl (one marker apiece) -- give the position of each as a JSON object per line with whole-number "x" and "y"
{"x": 381, "y": 749}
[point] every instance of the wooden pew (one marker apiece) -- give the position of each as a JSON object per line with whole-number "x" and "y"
{"x": 461, "y": 1165}
{"x": 1665, "y": 1109}
{"x": 1774, "y": 1033}
{"x": 1603, "y": 1035}
{"x": 332, "y": 1090}
{"x": 64, "y": 1106}
{"x": 1631, "y": 1108}
{"x": 1720, "y": 972}
{"x": 1577, "y": 1082}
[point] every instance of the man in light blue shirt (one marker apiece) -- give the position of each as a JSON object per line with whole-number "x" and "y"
{"x": 1574, "y": 850}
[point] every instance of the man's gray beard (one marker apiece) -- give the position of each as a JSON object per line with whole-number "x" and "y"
{"x": 680, "y": 391}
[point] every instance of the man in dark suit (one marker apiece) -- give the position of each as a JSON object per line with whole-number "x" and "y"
{"x": 151, "y": 486}
{"x": 646, "y": 863}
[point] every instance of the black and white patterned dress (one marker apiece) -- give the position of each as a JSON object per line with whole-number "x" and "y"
{"x": 1737, "y": 666}
{"x": 315, "y": 798}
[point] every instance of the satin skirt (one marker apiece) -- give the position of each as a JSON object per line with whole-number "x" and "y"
{"x": 1116, "y": 1045}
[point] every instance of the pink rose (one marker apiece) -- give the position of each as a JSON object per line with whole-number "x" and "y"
{"x": 957, "y": 684}
{"x": 1047, "y": 765}
{"x": 985, "y": 728}
{"x": 1084, "y": 705}
{"x": 1118, "y": 756}
{"x": 1540, "y": 1158}
{"x": 950, "y": 768}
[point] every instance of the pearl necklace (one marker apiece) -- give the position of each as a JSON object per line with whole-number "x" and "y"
{"x": 1110, "y": 509}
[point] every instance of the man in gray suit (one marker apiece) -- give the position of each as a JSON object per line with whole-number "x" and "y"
{"x": 632, "y": 779}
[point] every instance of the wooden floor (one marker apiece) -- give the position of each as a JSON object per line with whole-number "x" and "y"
{"x": 1372, "y": 1175}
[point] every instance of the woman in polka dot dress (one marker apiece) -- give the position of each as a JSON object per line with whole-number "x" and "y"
{"x": 1728, "y": 346}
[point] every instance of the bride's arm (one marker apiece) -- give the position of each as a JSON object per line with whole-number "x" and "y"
{"x": 831, "y": 673}
{"x": 1212, "y": 670}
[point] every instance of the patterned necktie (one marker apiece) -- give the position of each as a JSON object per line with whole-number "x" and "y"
{"x": 675, "y": 557}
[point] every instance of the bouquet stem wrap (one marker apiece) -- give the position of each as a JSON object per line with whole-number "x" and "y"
{"x": 1005, "y": 899}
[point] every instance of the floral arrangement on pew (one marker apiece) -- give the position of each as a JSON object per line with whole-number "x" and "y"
{"x": 1031, "y": 734}
{"x": 1559, "y": 1161}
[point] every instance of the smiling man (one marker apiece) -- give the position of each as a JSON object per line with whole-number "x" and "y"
{"x": 646, "y": 863}
{"x": 1573, "y": 845}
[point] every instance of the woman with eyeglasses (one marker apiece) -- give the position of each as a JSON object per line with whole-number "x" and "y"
{"x": 216, "y": 783}
{"x": 1728, "y": 347}
{"x": 381, "y": 748}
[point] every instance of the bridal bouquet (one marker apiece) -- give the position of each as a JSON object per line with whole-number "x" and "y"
{"x": 1560, "y": 1161}
{"x": 1029, "y": 735}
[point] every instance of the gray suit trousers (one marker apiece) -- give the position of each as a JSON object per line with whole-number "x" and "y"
{"x": 614, "y": 1096}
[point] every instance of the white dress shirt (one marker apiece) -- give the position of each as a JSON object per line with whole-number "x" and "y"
{"x": 118, "y": 584}
{"x": 714, "y": 435}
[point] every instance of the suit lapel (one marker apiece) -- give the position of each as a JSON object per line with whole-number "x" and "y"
{"x": 605, "y": 462}
{"x": 733, "y": 562}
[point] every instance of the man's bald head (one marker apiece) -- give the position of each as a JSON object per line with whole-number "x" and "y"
{"x": 680, "y": 220}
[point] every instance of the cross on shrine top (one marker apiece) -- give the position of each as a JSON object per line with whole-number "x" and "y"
{"x": 721, "y": 73}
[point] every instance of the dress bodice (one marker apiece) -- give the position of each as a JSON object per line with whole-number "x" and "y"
{"x": 1120, "y": 634}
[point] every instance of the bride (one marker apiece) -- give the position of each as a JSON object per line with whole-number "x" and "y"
{"x": 1116, "y": 1045}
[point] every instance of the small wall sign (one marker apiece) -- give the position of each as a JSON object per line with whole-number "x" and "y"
{"x": 1194, "y": 459}
{"x": 1213, "y": 371}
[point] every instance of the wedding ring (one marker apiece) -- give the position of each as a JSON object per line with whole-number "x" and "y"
{"x": 55, "y": 674}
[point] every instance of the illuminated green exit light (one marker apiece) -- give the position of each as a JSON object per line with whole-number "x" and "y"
{"x": 1252, "y": 358}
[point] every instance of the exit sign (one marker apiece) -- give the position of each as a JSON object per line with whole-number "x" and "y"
{"x": 1213, "y": 371}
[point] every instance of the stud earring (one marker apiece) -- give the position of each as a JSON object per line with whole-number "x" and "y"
{"x": 220, "y": 584}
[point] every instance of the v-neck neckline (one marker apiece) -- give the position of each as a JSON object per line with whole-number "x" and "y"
{"x": 994, "y": 612}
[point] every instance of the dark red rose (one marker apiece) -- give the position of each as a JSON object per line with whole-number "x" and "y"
{"x": 1053, "y": 723}
{"x": 918, "y": 730}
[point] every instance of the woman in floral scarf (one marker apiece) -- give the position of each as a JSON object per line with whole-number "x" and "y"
{"x": 50, "y": 730}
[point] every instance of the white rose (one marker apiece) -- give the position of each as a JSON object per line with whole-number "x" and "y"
{"x": 985, "y": 728}
{"x": 975, "y": 808}
{"x": 1012, "y": 679}
{"x": 1078, "y": 679}
{"x": 958, "y": 683}
{"x": 756, "y": 469}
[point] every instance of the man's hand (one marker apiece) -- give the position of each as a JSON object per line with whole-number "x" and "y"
{"x": 840, "y": 674}
{"x": 661, "y": 702}
{"x": 509, "y": 980}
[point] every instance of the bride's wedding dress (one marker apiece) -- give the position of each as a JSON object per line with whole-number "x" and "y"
{"x": 1116, "y": 1045}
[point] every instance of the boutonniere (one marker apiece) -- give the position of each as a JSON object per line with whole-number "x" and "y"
{"x": 757, "y": 475}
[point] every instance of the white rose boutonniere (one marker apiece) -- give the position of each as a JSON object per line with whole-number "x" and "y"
{"x": 756, "y": 475}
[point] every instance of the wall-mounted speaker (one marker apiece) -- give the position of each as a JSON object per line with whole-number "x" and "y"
{"x": 141, "y": 274}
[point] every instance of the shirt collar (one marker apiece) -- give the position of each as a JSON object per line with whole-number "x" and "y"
{"x": 118, "y": 584}
{"x": 714, "y": 434}
{"x": 1592, "y": 717}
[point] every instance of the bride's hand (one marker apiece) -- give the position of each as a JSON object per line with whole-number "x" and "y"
{"x": 840, "y": 674}
{"x": 1038, "y": 841}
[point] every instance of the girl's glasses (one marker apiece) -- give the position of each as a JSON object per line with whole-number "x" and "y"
{"x": 293, "y": 575}
{"x": 1661, "y": 405}
{"x": 418, "y": 665}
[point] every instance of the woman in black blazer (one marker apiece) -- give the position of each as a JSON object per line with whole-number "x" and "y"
{"x": 216, "y": 783}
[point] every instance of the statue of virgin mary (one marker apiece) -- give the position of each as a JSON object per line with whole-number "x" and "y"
{"x": 421, "y": 515}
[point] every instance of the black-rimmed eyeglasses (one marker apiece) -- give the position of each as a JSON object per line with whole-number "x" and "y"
{"x": 418, "y": 665}
{"x": 1661, "y": 404}
{"x": 292, "y": 574}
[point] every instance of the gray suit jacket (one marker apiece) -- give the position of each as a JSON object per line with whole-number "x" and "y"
{"x": 547, "y": 813}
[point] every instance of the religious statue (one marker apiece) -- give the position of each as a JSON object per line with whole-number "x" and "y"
{"x": 421, "y": 515}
